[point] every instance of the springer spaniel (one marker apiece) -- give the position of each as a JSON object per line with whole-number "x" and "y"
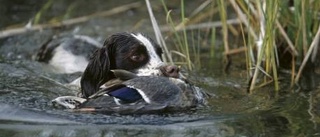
{"x": 133, "y": 52}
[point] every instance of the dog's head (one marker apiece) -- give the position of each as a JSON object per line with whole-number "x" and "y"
{"x": 133, "y": 52}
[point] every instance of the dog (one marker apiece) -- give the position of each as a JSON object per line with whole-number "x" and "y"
{"x": 133, "y": 52}
{"x": 67, "y": 54}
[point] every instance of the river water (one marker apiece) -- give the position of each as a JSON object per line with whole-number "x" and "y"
{"x": 27, "y": 86}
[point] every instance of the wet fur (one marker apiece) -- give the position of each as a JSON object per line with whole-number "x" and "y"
{"x": 115, "y": 54}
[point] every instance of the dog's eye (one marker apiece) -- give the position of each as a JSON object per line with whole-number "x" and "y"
{"x": 137, "y": 57}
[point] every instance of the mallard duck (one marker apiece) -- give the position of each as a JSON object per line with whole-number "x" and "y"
{"x": 129, "y": 93}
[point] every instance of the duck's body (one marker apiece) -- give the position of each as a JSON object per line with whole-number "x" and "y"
{"x": 139, "y": 94}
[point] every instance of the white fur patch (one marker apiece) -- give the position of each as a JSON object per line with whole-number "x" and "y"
{"x": 66, "y": 62}
{"x": 152, "y": 67}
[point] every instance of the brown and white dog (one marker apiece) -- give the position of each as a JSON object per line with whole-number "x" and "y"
{"x": 133, "y": 52}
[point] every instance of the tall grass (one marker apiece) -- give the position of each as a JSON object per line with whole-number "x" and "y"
{"x": 181, "y": 41}
{"x": 266, "y": 52}
{"x": 271, "y": 31}
{"x": 223, "y": 16}
{"x": 187, "y": 32}
{"x": 285, "y": 26}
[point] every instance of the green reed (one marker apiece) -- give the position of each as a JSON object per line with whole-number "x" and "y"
{"x": 269, "y": 29}
{"x": 43, "y": 9}
{"x": 266, "y": 61}
{"x": 181, "y": 37}
{"x": 277, "y": 24}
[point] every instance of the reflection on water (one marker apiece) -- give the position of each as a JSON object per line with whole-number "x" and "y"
{"x": 27, "y": 87}
{"x": 189, "y": 129}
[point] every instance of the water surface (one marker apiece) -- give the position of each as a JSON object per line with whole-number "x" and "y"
{"x": 27, "y": 87}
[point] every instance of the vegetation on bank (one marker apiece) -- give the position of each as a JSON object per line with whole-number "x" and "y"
{"x": 274, "y": 34}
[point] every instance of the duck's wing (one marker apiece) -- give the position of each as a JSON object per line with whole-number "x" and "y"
{"x": 123, "y": 74}
{"x": 124, "y": 100}
{"x": 112, "y": 97}
{"x": 116, "y": 83}
{"x": 156, "y": 90}
{"x": 113, "y": 84}
{"x": 143, "y": 94}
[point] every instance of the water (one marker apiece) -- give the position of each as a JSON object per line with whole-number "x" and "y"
{"x": 27, "y": 87}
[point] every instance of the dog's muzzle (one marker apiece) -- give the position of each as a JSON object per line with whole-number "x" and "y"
{"x": 170, "y": 71}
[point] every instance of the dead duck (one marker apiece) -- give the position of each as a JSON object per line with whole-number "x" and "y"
{"x": 129, "y": 93}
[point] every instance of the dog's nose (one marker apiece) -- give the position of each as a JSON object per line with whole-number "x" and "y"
{"x": 170, "y": 71}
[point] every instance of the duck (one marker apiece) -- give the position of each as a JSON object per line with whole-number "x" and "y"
{"x": 130, "y": 93}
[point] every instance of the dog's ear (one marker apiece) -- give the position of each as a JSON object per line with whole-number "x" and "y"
{"x": 97, "y": 72}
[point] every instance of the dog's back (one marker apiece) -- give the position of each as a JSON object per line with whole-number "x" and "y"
{"x": 68, "y": 54}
